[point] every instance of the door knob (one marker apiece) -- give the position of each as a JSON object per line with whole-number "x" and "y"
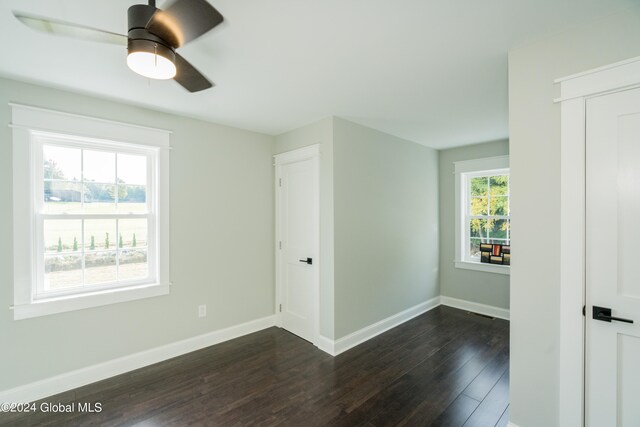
{"x": 604, "y": 314}
{"x": 308, "y": 261}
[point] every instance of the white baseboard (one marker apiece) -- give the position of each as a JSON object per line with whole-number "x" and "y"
{"x": 488, "y": 310}
{"x": 345, "y": 343}
{"x": 70, "y": 380}
{"x": 78, "y": 378}
{"x": 327, "y": 345}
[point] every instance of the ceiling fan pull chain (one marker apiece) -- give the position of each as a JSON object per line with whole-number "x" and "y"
{"x": 155, "y": 54}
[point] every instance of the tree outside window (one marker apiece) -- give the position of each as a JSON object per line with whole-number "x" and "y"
{"x": 487, "y": 211}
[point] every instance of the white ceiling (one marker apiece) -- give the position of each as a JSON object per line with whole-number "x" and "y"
{"x": 431, "y": 71}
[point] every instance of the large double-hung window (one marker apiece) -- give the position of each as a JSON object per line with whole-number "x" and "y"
{"x": 95, "y": 215}
{"x": 90, "y": 212}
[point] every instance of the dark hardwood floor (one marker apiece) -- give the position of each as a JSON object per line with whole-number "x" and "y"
{"x": 444, "y": 368}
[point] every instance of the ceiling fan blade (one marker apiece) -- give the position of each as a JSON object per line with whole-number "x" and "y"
{"x": 67, "y": 29}
{"x": 184, "y": 20}
{"x": 190, "y": 78}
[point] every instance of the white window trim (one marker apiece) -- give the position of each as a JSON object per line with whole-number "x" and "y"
{"x": 27, "y": 121}
{"x": 478, "y": 166}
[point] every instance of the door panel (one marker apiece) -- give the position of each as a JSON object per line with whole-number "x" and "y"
{"x": 628, "y": 371}
{"x": 628, "y": 205}
{"x": 612, "y": 356}
{"x": 298, "y": 225}
{"x": 296, "y": 298}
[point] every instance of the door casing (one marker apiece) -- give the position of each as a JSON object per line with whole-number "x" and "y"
{"x": 574, "y": 92}
{"x": 305, "y": 153}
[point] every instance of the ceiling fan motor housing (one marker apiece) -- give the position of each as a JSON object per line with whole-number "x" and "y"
{"x": 152, "y": 40}
{"x": 141, "y": 40}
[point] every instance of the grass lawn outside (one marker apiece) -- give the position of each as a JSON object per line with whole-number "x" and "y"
{"x": 98, "y": 240}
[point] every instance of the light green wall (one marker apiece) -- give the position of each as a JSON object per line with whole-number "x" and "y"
{"x": 221, "y": 239}
{"x": 535, "y": 176}
{"x": 379, "y": 223}
{"x": 386, "y": 225}
{"x": 379, "y": 236}
{"x": 321, "y": 133}
{"x": 482, "y": 287}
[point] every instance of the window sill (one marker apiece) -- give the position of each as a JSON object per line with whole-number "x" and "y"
{"x": 79, "y": 302}
{"x": 480, "y": 266}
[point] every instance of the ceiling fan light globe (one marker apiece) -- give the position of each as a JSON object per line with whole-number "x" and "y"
{"x": 151, "y": 65}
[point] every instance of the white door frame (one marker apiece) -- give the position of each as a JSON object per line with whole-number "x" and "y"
{"x": 574, "y": 92}
{"x": 305, "y": 153}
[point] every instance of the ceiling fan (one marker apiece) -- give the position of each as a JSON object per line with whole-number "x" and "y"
{"x": 152, "y": 40}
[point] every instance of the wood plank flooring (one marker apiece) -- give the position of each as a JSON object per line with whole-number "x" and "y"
{"x": 446, "y": 367}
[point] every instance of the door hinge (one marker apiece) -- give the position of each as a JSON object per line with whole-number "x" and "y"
{"x": 280, "y": 308}
{"x": 584, "y": 310}
{"x": 280, "y": 244}
{"x": 280, "y": 182}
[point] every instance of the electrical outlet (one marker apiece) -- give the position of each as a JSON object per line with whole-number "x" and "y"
{"x": 202, "y": 310}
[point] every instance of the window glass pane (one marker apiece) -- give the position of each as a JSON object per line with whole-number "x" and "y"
{"x": 133, "y": 233}
{"x": 91, "y": 251}
{"x": 498, "y": 241}
{"x": 61, "y": 163}
{"x": 479, "y": 186}
{"x": 62, "y": 235}
{"x": 488, "y": 198}
{"x": 499, "y": 185}
{"x": 100, "y": 267}
{"x": 62, "y": 196}
{"x": 133, "y": 264}
{"x": 478, "y": 206}
{"x": 62, "y": 271}
{"x": 474, "y": 247}
{"x": 499, "y": 205}
{"x": 99, "y": 234}
{"x": 99, "y": 166}
{"x": 99, "y": 198}
{"x": 132, "y": 169}
{"x": 132, "y": 198}
{"x": 498, "y": 228}
{"x": 478, "y": 229}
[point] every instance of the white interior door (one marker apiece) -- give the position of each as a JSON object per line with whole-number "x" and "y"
{"x": 298, "y": 220}
{"x": 612, "y": 395}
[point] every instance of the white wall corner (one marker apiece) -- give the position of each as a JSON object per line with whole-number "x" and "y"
{"x": 345, "y": 343}
{"x": 487, "y": 310}
{"x": 90, "y": 374}
{"x": 356, "y": 338}
{"x": 326, "y": 344}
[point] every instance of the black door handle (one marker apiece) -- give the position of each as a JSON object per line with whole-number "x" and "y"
{"x": 308, "y": 261}
{"x": 604, "y": 314}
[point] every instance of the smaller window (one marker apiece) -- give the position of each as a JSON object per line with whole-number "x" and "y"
{"x": 487, "y": 211}
{"x": 482, "y": 210}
